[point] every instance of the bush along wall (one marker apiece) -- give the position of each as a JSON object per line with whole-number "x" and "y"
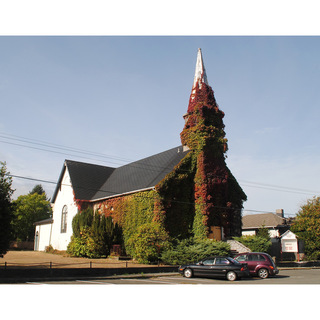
{"x": 144, "y": 236}
{"x": 93, "y": 235}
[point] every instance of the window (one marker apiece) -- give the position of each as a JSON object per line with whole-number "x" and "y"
{"x": 208, "y": 262}
{"x": 64, "y": 219}
{"x": 243, "y": 257}
{"x": 222, "y": 261}
{"x": 256, "y": 257}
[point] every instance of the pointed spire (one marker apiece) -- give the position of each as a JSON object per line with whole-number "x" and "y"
{"x": 200, "y": 73}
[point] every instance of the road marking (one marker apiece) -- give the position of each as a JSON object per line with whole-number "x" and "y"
{"x": 93, "y": 282}
{"x": 148, "y": 280}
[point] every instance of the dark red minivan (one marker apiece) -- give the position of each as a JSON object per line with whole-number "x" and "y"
{"x": 259, "y": 263}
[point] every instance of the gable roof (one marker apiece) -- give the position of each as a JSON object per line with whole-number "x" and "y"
{"x": 94, "y": 182}
{"x": 263, "y": 219}
{"x": 86, "y": 178}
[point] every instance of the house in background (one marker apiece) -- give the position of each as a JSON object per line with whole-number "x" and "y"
{"x": 276, "y": 223}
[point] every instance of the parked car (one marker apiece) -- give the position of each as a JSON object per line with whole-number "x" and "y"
{"x": 259, "y": 263}
{"x": 224, "y": 267}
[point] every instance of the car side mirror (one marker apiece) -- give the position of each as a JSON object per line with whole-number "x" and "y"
{"x": 200, "y": 263}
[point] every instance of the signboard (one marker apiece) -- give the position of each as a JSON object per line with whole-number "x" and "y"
{"x": 289, "y": 245}
{"x": 289, "y": 242}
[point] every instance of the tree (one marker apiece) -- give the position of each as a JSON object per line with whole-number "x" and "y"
{"x": 5, "y": 208}
{"x": 37, "y": 189}
{"x": 255, "y": 243}
{"x": 27, "y": 210}
{"x": 307, "y": 227}
{"x": 263, "y": 232}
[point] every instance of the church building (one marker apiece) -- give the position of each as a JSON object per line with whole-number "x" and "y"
{"x": 187, "y": 190}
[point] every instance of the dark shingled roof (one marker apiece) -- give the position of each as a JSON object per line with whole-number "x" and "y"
{"x": 87, "y": 178}
{"x": 93, "y": 182}
{"x": 142, "y": 174}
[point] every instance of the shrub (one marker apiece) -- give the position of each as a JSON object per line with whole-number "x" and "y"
{"x": 190, "y": 250}
{"x": 263, "y": 232}
{"x": 255, "y": 243}
{"x": 82, "y": 219}
{"x": 93, "y": 235}
{"x": 148, "y": 242}
{"x": 86, "y": 245}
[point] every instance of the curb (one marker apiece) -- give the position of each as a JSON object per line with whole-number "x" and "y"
{"x": 4, "y": 281}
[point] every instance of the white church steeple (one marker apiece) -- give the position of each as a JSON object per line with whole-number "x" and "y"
{"x": 200, "y": 75}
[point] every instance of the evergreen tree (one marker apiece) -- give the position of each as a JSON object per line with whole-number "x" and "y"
{"x": 6, "y": 215}
{"x": 37, "y": 189}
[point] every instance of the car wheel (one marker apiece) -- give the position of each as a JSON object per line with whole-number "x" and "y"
{"x": 263, "y": 273}
{"x": 231, "y": 276}
{"x": 187, "y": 273}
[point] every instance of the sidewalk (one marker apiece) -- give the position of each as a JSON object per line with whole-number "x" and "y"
{"x": 27, "y": 259}
{"x": 22, "y": 266}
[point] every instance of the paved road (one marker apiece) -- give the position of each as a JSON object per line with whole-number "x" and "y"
{"x": 285, "y": 277}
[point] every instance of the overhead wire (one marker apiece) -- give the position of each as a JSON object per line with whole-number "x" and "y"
{"x": 126, "y": 161}
{"x": 145, "y": 165}
{"x": 117, "y": 194}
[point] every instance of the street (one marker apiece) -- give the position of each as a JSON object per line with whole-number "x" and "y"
{"x": 285, "y": 277}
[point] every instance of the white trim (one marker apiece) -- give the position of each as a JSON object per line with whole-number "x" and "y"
{"x": 122, "y": 194}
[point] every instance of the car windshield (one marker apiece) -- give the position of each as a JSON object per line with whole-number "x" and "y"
{"x": 234, "y": 261}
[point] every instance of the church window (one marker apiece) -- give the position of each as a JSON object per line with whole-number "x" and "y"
{"x": 64, "y": 219}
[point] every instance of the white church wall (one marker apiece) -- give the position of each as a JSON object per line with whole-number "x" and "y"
{"x": 61, "y": 238}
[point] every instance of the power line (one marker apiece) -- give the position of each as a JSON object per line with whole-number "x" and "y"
{"x": 276, "y": 186}
{"x": 134, "y": 164}
{"x": 282, "y": 189}
{"x": 51, "y": 151}
{"x": 115, "y": 194}
{"x": 56, "y": 146}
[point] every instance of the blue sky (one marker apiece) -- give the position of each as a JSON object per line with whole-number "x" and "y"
{"x": 124, "y": 97}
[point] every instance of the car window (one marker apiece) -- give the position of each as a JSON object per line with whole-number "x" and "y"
{"x": 256, "y": 257}
{"x": 241, "y": 258}
{"x": 222, "y": 261}
{"x": 261, "y": 257}
{"x": 252, "y": 257}
{"x": 208, "y": 262}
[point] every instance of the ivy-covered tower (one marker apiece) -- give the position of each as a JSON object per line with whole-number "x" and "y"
{"x": 201, "y": 195}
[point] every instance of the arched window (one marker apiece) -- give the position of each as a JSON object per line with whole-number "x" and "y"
{"x": 64, "y": 219}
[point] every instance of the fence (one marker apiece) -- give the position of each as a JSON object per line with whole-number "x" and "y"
{"x": 48, "y": 271}
{"x": 87, "y": 264}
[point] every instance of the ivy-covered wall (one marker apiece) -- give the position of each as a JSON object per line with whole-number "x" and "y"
{"x": 218, "y": 196}
{"x": 201, "y": 192}
{"x": 130, "y": 212}
{"x": 198, "y": 194}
